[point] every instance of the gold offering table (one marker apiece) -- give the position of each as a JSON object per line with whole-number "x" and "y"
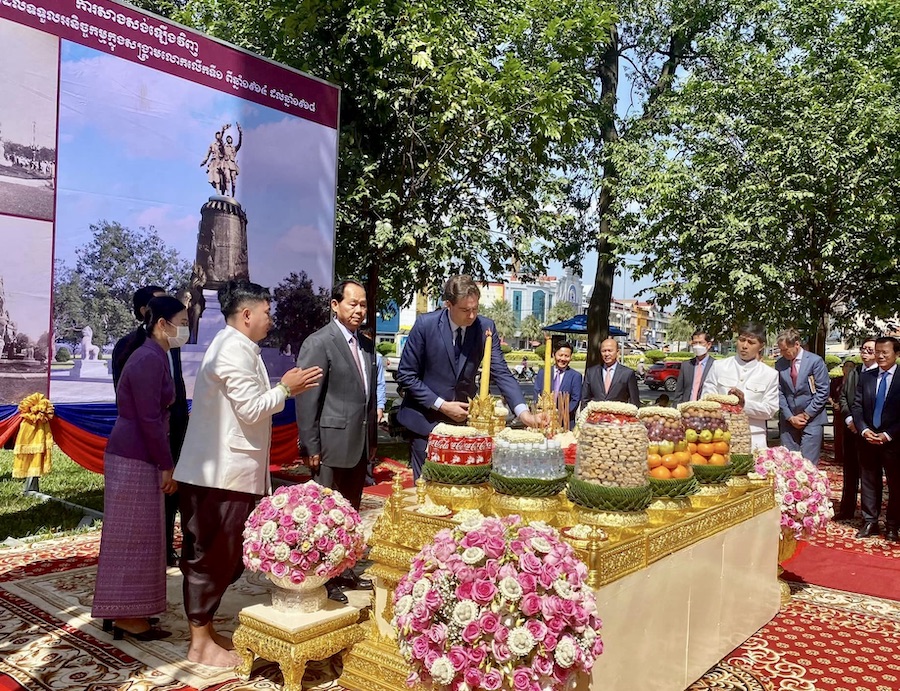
{"x": 674, "y": 598}
{"x": 292, "y": 639}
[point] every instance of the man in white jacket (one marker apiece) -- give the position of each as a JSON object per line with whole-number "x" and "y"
{"x": 224, "y": 466}
{"x": 746, "y": 376}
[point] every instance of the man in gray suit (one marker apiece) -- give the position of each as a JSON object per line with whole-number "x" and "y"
{"x": 803, "y": 387}
{"x": 610, "y": 381}
{"x": 692, "y": 374}
{"x": 336, "y": 420}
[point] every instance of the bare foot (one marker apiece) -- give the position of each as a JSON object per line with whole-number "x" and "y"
{"x": 222, "y": 640}
{"x": 212, "y": 655}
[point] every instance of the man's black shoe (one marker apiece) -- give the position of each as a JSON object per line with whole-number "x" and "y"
{"x": 335, "y": 593}
{"x": 351, "y": 581}
{"x": 868, "y": 530}
{"x": 172, "y": 559}
{"x": 843, "y": 516}
{"x": 892, "y": 534}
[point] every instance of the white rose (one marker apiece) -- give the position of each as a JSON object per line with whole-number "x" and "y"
{"x": 470, "y": 524}
{"x": 473, "y": 555}
{"x": 422, "y": 586}
{"x": 520, "y": 641}
{"x": 282, "y": 552}
{"x": 337, "y": 554}
{"x": 802, "y": 507}
{"x": 540, "y": 544}
{"x": 320, "y": 531}
{"x": 404, "y": 605}
{"x": 268, "y": 530}
{"x": 279, "y": 501}
{"x": 589, "y": 636}
{"x": 337, "y": 516}
{"x": 301, "y": 514}
{"x": 442, "y": 671}
{"x": 464, "y": 612}
{"x": 510, "y": 588}
{"x": 564, "y": 653}
{"x": 563, "y": 589}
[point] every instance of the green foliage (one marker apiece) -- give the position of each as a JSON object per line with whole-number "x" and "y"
{"x": 386, "y": 348}
{"x": 579, "y": 357}
{"x": 501, "y": 313}
{"x": 679, "y": 329}
{"x": 108, "y": 269}
{"x": 832, "y": 361}
{"x": 540, "y": 350}
{"x": 530, "y": 328}
{"x": 561, "y": 311}
{"x": 299, "y": 311}
{"x": 768, "y": 171}
{"x": 654, "y": 356}
{"x": 515, "y": 356}
{"x": 63, "y": 354}
{"x": 505, "y": 348}
{"x": 462, "y": 126}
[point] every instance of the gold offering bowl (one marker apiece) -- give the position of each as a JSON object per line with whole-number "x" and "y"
{"x": 665, "y": 510}
{"x": 618, "y": 525}
{"x": 545, "y": 509}
{"x": 459, "y": 497}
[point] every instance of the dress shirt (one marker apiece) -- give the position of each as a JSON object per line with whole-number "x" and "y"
{"x": 380, "y": 386}
{"x": 864, "y": 369}
{"x": 887, "y": 388}
{"x": 360, "y": 353}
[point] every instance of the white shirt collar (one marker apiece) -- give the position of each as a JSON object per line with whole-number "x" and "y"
{"x": 454, "y": 326}
{"x": 889, "y": 371}
{"x": 247, "y": 339}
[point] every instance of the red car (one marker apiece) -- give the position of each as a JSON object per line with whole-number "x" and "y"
{"x": 662, "y": 374}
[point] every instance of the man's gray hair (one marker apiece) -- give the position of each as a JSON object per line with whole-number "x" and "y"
{"x": 789, "y": 337}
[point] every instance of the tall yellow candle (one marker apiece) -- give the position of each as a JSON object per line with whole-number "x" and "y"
{"x": 486, "y": 365}
{"x": 547, "y": 366}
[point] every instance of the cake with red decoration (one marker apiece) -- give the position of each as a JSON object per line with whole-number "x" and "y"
{"x": 459, "y": 446}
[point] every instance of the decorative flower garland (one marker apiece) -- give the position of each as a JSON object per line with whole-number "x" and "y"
{"x": 520, "y": 436}
{"x": 652, "y": 410}
{"x": 495, "y": 604}
{"x": 302, "y": 530}
{"x": 608, "y": 407}
{"x": 801, "y": 490}
{"x": 700, "y": 405}
{"x": 443, "y": 429}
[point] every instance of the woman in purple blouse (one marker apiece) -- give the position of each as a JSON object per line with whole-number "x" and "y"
{"x": 131, "y": 573}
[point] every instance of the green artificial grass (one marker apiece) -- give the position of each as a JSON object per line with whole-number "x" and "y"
{"x": 29, "y": 516}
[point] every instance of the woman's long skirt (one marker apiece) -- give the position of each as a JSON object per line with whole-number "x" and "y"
{"x": 131, "y": 573}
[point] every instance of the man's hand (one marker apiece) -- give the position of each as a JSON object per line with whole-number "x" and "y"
{"x": 872, "y": 437}
{"x": 533, "y": 420}
{"x": 455, "y": 410}
{"x": 300, "y": 380}
{"x": 740, "y": 395}
{"x": 380, "y": 415}
{"x": 852, "y": 427}
{"x": 797, "y": 421}
{"x": 311, "y": 461}
{"x": 169, "y": 486}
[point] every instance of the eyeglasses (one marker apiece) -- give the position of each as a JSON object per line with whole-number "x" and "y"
{"x": 866, "y": 350}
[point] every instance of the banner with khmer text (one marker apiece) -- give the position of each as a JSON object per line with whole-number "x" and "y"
{"x": 134, "y": 152}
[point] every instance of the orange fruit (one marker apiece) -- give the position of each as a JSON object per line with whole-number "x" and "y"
{"x": 697, "y": 459}
{"x": 692, "y": 447}
{"x": 717, "y": 459}
{"x": 683, "y": 457}
{"x": 682, "y": 472}
{"x": 661, "y": 473}
{"x": 720, "y": 447}
{"x": 654, "y": 460}
{"x": 706, "y": 449}
{"x": 669, "y": 460}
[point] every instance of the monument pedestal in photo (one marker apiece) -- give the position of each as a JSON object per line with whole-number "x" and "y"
{"x": 90, "y": 369}
{"x": 222, "y": 243}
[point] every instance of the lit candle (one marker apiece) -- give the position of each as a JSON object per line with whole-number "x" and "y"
{"x": 486, "y": 365}
{"x": 547, "y": 365}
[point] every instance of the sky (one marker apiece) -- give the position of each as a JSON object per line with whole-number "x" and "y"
{"x": 130, "y": 146}
{"x": 26, "y": 281}
{"x": 624, "y": 286}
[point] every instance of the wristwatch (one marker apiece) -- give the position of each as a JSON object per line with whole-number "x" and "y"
{"x": 284, "y": 387}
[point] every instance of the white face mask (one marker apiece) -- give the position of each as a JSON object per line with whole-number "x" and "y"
{"x": 183, "y": 333}
{"x": 699, "y": 350}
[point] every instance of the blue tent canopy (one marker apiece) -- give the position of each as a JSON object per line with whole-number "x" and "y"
{"x": 578, "y": 325}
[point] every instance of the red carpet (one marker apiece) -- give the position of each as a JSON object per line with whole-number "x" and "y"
{"x": 855, "y": 572}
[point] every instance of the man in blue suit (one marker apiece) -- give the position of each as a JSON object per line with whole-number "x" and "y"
{"x": 439, "y": 363}
{"x": 803, "y": 387}
{"x": 563, "y": 379}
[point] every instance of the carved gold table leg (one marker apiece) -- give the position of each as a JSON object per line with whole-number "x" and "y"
{"x": 247, "y": 656}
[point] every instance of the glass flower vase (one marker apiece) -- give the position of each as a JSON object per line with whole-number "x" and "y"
{"x": 299, "y": 598}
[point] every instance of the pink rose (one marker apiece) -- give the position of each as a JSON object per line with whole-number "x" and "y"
{"x": 297, "y": 576}
{"x": 470, "y": 632}
{"x": 432, "y": 599}
{"x": 430, "y": 657}
{"x": 458, "y": 658}
{"x": 279, "y": 569}
{"x": 556, "y": 624}
{"x": 527, "y": 581}
{"x": 489, "y": 622}
{"x": 494, "y": 547}
{"x": 521, "y": 679}
{"x": 437, "y": 633}
{"x": 295, "y": 557}
{"x": 542, "y": 665}
{"x": 550, "y": 642}
{"x": 328, "y": 503}
{"x": 537, "y": 629}
{"x": 529, "y": 563}
{"x": 530, "y": 605}
{"x": 323, "y": 544}
{"x": 472, "y": 677}
{"x": 286, "y": 521}
{"x": 419, "y": 647}
{"x": 483, "y": 591}
{"x": 501, "y": 634}
{"x": 491, "y": 681}
{"x": 500, "y": 650}
{"x": 474, "y": 538}
{"x": 517, "y": 547}
{"x": 491, "y": 569}
{"x": 464, "y": 590}
{"x": 477, "y": 654}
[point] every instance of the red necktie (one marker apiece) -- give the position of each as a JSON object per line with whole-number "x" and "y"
{"x": 607, "y": 379}
{"x": 795, "y": 366}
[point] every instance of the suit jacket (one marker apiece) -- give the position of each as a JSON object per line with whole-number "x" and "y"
{"x": 428, "y": 370}
{"x": 864, "y": 404}
{"x": 571, "y": 383}
{"x": 336, "y": 419}
{"x": 793, "y": 401}
{"x": 685, "y": 382}
{"x": 230, "y": 429}
{"x": 622, "y": 388}
{"x": 848, "y": 392}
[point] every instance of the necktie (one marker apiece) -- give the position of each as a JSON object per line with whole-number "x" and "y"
{"x": 607, "y": 379}
{"x": 698, "y": 377}
{"x": 354, "y": 351}
{"x": 795, "y": 367}
{"x": 457, "y": 342}
{"x": 557, "y": 378}
{"x": 880, "y": 395}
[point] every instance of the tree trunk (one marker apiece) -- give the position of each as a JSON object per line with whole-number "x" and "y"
{"x": 372, "y": 298}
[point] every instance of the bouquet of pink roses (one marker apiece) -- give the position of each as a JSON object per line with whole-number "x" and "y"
{"x": 801, "y": 490}
{"x": 303, "y": 530}
{"x": 497, "y": 604}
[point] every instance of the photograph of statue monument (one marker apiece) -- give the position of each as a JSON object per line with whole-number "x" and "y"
{"x": 195, "y": 185}
{"x": 25, "y": 308}
{"x": 29, "y": 62}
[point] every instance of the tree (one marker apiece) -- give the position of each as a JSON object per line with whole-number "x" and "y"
{"x": 462, "y": 124}
{"x": 561, "y": 311}
{"x": 299, "y": 310}
{"x": 108, "y": 269}
{"x": 502, "y": 314}
{"x": 769, "y": 189}
{"x": 530, "y": 328}
{"x": 680, "y": 329}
